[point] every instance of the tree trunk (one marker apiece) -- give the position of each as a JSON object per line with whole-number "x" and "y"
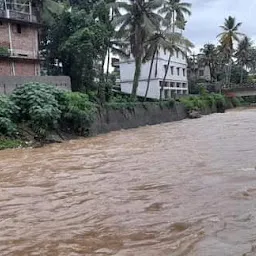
{"x": 136, "y": 77}
{"x": 101, "y": 89}
{"x": 156, "y": 66}
{"x": 211, "y": 72}
{"x": 229, "y": 73}
{"x": 108, "y": 62}
{"x": 241, "y": 77}
{"x": 165, "y": 74}
{"x": 149, "y": 75}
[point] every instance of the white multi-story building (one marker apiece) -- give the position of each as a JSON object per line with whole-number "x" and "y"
{"x": 176, "y": 82}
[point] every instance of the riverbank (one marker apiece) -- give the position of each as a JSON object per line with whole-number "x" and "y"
{"x": 106, "y": 120}
{"x": 36, "y": 115}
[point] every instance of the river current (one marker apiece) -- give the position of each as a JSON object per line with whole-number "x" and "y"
{"x": 174, "y": 189}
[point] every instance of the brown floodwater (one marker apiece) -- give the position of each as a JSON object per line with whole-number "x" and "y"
{"x": 182, "y": 188}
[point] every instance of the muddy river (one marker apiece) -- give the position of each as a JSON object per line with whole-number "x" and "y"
{"x": 182, "y": 188}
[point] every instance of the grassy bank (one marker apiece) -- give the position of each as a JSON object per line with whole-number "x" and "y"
{"x": 35, "y": 113}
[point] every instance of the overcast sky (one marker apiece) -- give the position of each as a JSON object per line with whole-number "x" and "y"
{"x": 208, "y": 15}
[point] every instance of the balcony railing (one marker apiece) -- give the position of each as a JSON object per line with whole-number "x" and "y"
{"x": 23, "y": 54}
{"x": 18, "y": 11}
{"x": 20, "y": 16}
{"x": 17, "y": 53}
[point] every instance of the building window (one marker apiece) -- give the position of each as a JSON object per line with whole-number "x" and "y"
{"x": 178, "y": 85}
{"x": 177, "y": 54}
{"x": 172, "y": 84}
{"x": 184, "y": 72}
{"x": 18, "y": 28}
{"x": 183, "y": 56}
{"x": 163, "y": 84}
{"x": 165, "y": 68}
{"x": 184, "y": 85}
{"x": 201, "y": 73}
{"x": 172, "y": 70}
{"x": 178, "y": 71}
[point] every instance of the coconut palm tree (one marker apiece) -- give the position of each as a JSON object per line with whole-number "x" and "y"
{"x": 228, "y": 37}
{"x": 176, "y": 43}
{"x": 138, "y": 21}
{"x": 243, "y": 54}
{"x": 209, "y": 57}
{"x": 153, "y": 45}
{"x": 252, "y": 62}
{"x": 174, "y": 13}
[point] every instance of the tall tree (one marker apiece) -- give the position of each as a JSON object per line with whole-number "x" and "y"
{"x": 176, "y": 43}
{"x": 78, "y": 41}
{"x": 209, "y": 57}
{"x": 243, "y": 54}
{"x": 252, "y": 57}
{"x": 154, "y": 44}
{"x": 228, "y": 37}
{"x": 138, "y": 21}
{"x": 174, "y": 13}
{"x": 47, "y": 10}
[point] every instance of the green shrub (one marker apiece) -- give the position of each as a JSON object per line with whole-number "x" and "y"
{"x": 210, "y": 100}
{"x": 7, "y": 127}
{"x": 228, "y": 102}
{"x": 79, "y": 112}
{"x": 169, "y": 103}
{"x": 8, "y": 111}
{"x": 204, "y": 101}
{"x": 4, "y": 51}
{"x": 235, "y": 102}
{"x": 194, "y": 103}
{"x": 220, "y": 101}
{"x": 121, "y": 102}
{"x": 188, "y": 103}
{"x": 39, "y": 106}
{"x": 202, "y": 90}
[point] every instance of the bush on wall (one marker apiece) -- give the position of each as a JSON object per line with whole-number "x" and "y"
{"x": 8, "y": 112}
{"x": 38, "y": 105}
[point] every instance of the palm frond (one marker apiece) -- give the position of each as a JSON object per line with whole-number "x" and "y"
{"x": 120, "y": 20}
{"x": 120, "y": 52}
{"x": 120, "y": 5}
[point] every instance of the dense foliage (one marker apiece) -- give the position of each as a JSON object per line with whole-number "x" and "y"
{"x": 83, "y": 36}
{"x": 38, "y": 105}
{"x": 208, "y": 101}
{"x": 45, "y": 108}
{"x": 78, "y": 113}
{"x": 8, "y": 113}
{"x": 77, "y": 42}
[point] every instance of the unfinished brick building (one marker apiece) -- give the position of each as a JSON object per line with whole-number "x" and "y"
{"x": 19, "y": 54}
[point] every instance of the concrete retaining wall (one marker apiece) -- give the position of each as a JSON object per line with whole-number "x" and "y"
{"x": 141, "y": 115}
{"x": 10, "y": 83}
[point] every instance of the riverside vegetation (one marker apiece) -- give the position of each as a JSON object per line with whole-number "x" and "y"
{"x": 34, "y": 111}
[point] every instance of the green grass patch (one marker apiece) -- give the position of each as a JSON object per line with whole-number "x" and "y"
{"x": 10, "y": 143}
